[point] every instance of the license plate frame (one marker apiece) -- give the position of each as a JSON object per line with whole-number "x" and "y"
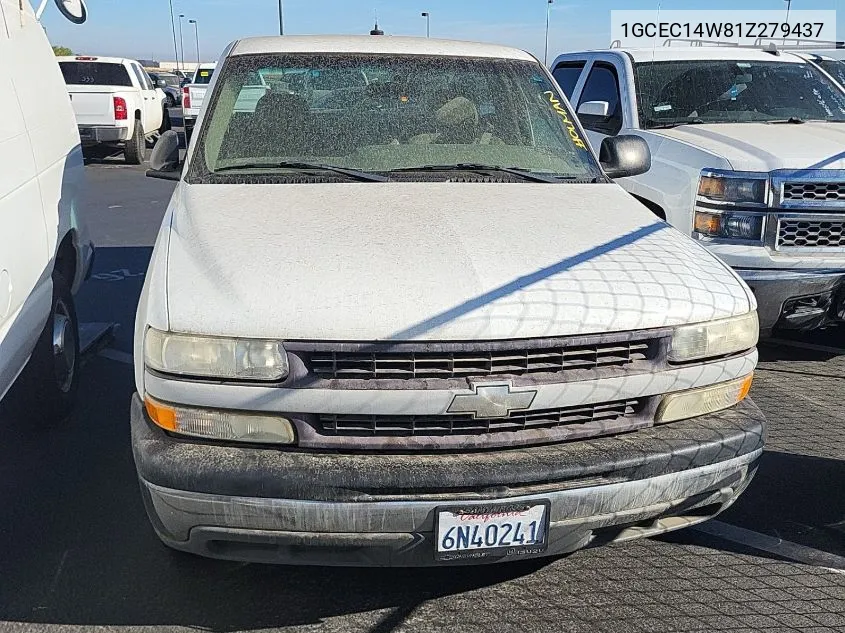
{"x": 508, "y": 551}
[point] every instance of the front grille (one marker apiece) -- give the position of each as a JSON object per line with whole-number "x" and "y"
{"x": 820, "y": 191}
{"x": 795, "y": 233}
{"x": 444, "y": 425}
{"x": 460, "y": 364}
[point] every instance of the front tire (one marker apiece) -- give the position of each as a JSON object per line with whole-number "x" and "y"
{"x": 135, "y": 147}
{"x": 47, "y": 387}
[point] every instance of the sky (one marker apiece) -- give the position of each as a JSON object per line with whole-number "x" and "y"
{"x": 141, "y": 28}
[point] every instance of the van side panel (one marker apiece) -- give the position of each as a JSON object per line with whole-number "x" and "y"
{"x": 25, "y": 283}
{"x": 52, "y": 128}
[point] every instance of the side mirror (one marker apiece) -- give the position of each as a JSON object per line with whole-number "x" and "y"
{"x": 73, "y": 10}
{"x": 164, "y": 159}
{"x": 161, "y": 83}
{"x": 594, "y": 108}
{"x": 624, "y": 155}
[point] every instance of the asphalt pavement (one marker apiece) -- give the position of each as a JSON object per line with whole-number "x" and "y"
{"x": 77, "y": 553}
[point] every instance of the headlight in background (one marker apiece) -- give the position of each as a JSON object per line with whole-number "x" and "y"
{"x": 714, "y": 338}
{"x": 218, "y": 424}
{"x": 214, "y": 357}
{"x": 741, "y": 226}
{"x": 726, "y": 204}
{"x": 695, "y": 402}
{"x": 733, "y": 187}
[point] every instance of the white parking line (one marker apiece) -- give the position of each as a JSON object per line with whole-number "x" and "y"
{"x": 773, "y": 545}
{"x": 810, "y": 346}
{"x": 116, "y": 355}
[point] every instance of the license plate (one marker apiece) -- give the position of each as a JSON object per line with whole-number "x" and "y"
{"x": 492, "y": 531}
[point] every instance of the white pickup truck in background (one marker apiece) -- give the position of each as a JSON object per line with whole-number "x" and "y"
{"x": 115, "y": 101}
{"x": 747, "y": 157}
{"x": 193, "y": 95}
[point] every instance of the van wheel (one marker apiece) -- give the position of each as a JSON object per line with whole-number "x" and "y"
{"x": 48, "y": 384}
{"x": 135, "y": 147}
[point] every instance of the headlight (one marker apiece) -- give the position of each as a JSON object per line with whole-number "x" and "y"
{"x": 743, "y": 226}
{"x": 213, "y": 357}
{"x": 215, "y": 424}
{"x": 695, "y": 402}
{"x": 733, "y": 187}
{"x": 714, "y": 338}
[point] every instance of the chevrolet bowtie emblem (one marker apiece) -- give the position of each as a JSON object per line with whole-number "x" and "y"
{"x": 492, "y": 401}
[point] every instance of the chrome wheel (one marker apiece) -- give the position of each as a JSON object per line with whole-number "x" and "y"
{"x": 64, "y": 347}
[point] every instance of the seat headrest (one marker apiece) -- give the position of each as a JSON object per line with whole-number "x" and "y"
{"x": 457, "y": 112}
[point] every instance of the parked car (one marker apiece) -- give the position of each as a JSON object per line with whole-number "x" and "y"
{"x": 426, "y": 328}
{"x": 45, "y": 251}
{"x": 193, "y": 95}
{"x": 747, "y": 148}
{"x": 115, "y": 101}
{"x": 171, "y": 85}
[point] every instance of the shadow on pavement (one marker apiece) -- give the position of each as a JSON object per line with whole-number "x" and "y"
{"x": 77, "y": 548}
{"x": 797, "y": 498}
{"x": 107, "y": 154}
{"x": 111, "y": 293}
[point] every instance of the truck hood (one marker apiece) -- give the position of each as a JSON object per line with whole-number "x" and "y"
{"x": 433, "y": 261}
{"x": 765, "y": 147}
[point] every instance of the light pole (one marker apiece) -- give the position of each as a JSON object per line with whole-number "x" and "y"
{"x": 427, "y": 17}
{"x": 197, "y": 36}
{"x": 173, "y": 26}
{"x": 548, "y": 15}
{"x": 281, "y": 17}
{"x": 182, "y": 39}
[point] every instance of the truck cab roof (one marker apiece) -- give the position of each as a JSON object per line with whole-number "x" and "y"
{"x": 667, "y": 53}
{"x": 386, "y": 45}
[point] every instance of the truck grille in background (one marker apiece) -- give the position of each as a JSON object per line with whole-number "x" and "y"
{"x": 794, "y": 233}
{"x": 444, "y": 425}
{"x": 460, "y": 364}
{"x": 821, "y": 191}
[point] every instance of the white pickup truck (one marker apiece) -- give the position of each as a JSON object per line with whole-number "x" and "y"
{"x": 193, "y": 95}
{"x": 423, "y": 326}
{"x": 747, "y": 148}
{"x": 115, "y": 101}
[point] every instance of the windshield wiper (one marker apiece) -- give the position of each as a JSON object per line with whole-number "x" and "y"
{"x": 792, "y": 119}
{"x": 652, "y": 124}
{"x": 299, "y": 165}
{"x": 478, "y": 167}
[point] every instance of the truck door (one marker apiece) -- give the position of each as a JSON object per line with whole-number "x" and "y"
{"x": 599, "y": 106}
{"x": 151, "y": 112}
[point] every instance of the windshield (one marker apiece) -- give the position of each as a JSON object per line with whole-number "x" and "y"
{"x": 715, "y": 91}
{"x": 203, "y": 76}
{"x": 381, "y": 114}
{"x": 95, "y": 74}
{"x": 835, "y": 68}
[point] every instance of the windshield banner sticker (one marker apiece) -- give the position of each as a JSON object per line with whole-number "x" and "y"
{"x": 570, "y": 126}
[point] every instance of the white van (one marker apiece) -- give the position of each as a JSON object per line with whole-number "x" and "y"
{"x": 44, "y": 252}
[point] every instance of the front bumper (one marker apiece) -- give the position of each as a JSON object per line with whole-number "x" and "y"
{"x": 94, "y": 134}
{"x": 796, "y": 299}
{"x": 267, "y": 505}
